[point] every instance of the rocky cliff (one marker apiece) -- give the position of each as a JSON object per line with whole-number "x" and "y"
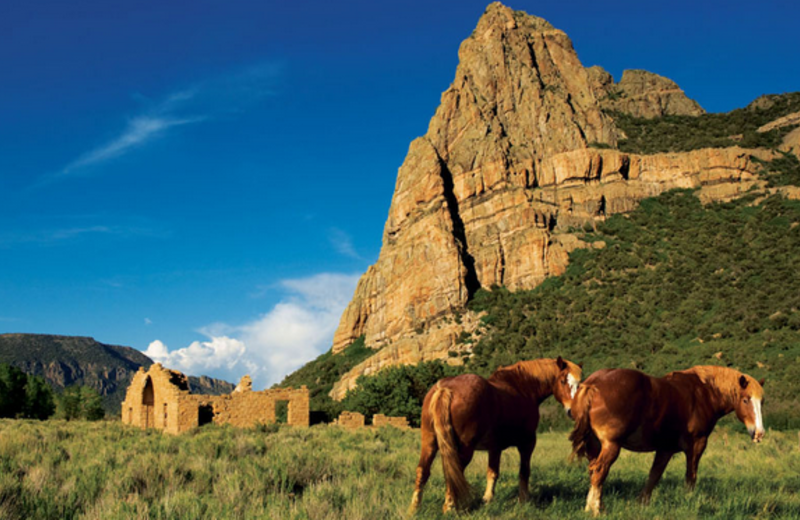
{"x": 513, "y": 159}
{"x": 69, "y": 360}
{"x": 641, "y": 94}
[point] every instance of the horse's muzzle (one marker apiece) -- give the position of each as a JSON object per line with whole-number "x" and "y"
{"x": 756, "y": 435}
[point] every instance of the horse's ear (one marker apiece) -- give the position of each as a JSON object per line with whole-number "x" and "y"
{"x": 743, "y": 382}
{"x": 580, "y": 365}
{"x": 762, "y": 381}
{"x": 561, "y": 363}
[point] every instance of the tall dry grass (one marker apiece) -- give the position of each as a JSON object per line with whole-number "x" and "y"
{"x": 105, "y": 470}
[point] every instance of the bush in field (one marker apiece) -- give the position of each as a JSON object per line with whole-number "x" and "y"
{"x": 397, "y": 391}
{"x": 79, "y": 402}
{"x": 24, "y": 396}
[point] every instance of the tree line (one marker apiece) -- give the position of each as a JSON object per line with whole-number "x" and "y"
{"x": 25, "y": 396}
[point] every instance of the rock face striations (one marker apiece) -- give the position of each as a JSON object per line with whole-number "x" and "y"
{"x": 512, "y": 159}
{"x": 641, "y": 94}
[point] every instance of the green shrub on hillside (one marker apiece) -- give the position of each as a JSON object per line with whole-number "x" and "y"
{"x": 782, "y": 171}
{"x": 685, "y": 133}
{"x": 676, "y": 285}
{"x": 320, "y": 375}
{"x": 397, "y": 391}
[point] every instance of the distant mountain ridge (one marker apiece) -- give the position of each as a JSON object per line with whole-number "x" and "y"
{"x": 77, "y": 360}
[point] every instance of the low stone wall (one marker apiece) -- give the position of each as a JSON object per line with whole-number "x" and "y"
{"x": 354, "y": 420}
{"x": 383, "y": 420}
{"x": 351, "y": 420}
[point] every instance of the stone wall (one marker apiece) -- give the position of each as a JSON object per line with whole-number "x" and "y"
{"x": 354, "y": 420}
{"x": 379, "y": 420}
{"x": 160, "y": 398}
{"x": 351, "y": 420}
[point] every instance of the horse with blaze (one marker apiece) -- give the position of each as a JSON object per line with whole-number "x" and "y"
{"x": 466, "y": 413}
{"x": 623, "y": 408}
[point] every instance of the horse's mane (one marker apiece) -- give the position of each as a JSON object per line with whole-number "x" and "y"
{"x": 535, "y": 376}
{"x": 725, "y": 380}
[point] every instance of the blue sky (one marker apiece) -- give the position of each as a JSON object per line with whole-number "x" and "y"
{"x": 206, "y": 180}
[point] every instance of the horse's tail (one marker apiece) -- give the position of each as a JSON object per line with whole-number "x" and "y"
{"x": 581, "y": 406}
{"x": 448, "y": 444}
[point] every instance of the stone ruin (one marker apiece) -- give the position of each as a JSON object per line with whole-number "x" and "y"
{"x": 350, "y": 420}
{"x": 355, "y": 420}
{"x": 379, "y": 420}
{"x": 160, "y": 398}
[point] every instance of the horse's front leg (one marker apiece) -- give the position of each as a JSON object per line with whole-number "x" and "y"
{"x": 492, "y": 472}
{"x": 659, "y": 465}
{"x": 525, "y": 452}
{"x": 598, "y": 470}
{"x": 693, "y": 455}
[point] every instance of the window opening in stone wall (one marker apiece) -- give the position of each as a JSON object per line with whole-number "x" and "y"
{"x": 282, "y": 412}
{"x": 165, "y": 415}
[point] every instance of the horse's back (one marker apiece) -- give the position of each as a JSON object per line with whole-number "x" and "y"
{"x": 641, "y": 412}
{"x": 471, "y": 405}
{"x": 620, "y": 388}
{"x": 621, "y": 406}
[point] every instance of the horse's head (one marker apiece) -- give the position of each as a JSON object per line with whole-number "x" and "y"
{"x": 748, "y": 406}
{"x": 569, "y": 377}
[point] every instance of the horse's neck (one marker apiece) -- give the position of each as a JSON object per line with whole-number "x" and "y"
{"x": 723, "y": 399}
{"x": 535, "y": 393}
{"x": 536, "y": 386}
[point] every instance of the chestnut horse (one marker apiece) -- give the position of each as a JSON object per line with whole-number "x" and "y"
{"x": 621, "y": 408}
{"x": 466, "y": 413}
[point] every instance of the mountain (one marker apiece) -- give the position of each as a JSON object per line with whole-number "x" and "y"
{"x": 74, "y": 360}
{"x": 527, "y": 148}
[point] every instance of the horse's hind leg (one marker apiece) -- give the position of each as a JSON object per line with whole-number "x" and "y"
{"x": 593, "y": 448}
{"x": 525, "y": 452}
{"x": 598, "y": 470}
{"x": 464, "y": 457}
{"x": 492, "y": 472}
{"x": 659, "y": 465}
{"x": 426, "y": 456}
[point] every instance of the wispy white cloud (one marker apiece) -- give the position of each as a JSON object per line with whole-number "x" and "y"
{"x": 138, "y": 132}
{"x": 49, "y": 236}
{"x": 296, "y": 330}
{"x": 203, "y": 101}
{"x": 343, "y": 243}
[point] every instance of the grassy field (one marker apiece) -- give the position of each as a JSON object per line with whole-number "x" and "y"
{"x": 104, "y": 471}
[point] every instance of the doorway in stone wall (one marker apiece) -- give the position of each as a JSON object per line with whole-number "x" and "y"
{"x": 148, "y": 404}
{"x": 205, "y": 414}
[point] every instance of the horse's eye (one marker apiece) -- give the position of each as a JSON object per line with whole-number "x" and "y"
{"x": 746, "y": 400}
